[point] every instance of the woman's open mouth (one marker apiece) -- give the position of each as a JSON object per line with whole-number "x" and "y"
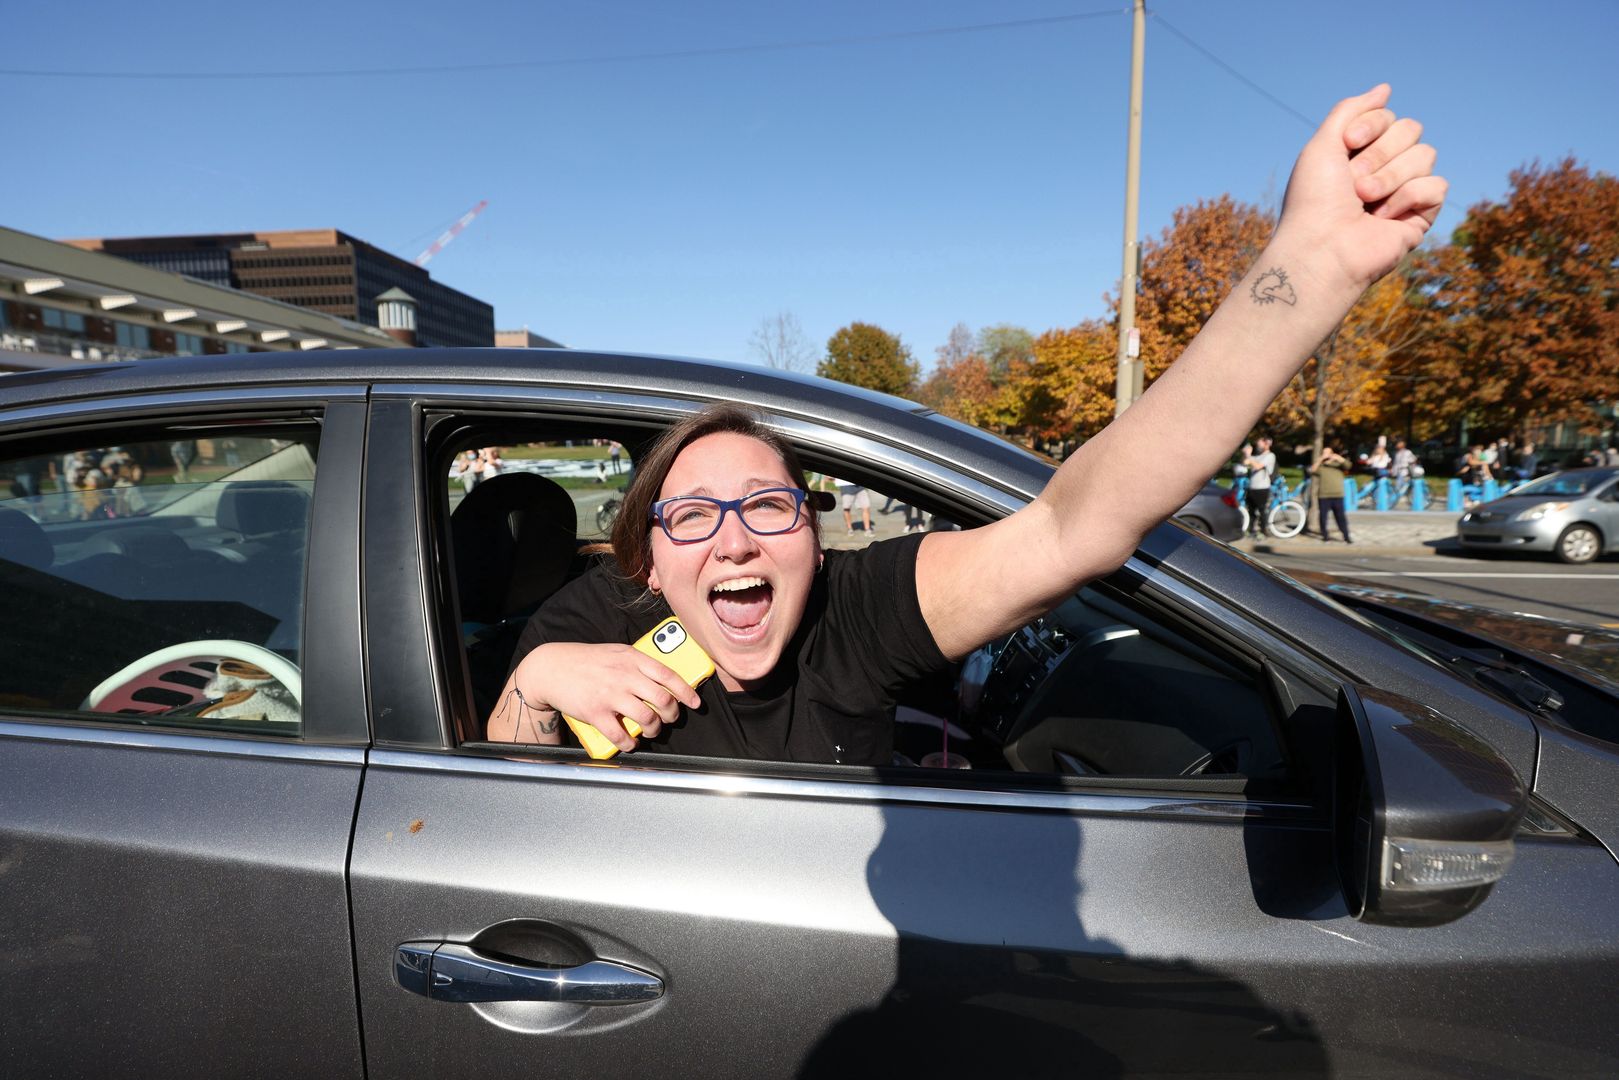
{"x": 742, "y": 606}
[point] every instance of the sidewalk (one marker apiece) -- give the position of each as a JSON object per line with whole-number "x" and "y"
{"x": 1389, "y": 532}
{"x": 883, "y": 525}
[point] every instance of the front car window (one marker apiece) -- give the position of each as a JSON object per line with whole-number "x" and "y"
{"x": 1122, "y": 694}
{"x": 158, "y": 579}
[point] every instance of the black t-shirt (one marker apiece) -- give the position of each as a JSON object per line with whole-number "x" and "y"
{"x": 832, "y": 695}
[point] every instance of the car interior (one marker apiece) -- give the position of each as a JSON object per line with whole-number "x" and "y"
{"x": 163, "y": 574}
{"x": 1102, "y": 691}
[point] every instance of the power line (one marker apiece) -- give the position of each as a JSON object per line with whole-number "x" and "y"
{"x": 1239, "y": 76}
{"x": 579, "y": 61}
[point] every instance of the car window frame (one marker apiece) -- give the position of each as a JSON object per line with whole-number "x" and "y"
{"x": 458, "y": 407}
{"x": 329, "y": 638}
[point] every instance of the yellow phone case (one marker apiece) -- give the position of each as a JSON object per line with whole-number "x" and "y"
{"x": 670, "y": 645}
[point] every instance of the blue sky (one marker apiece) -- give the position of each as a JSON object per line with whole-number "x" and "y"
{"x": 669, "y": 204}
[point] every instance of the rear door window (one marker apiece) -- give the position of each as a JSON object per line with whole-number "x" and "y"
{"x": 158, "y": 579}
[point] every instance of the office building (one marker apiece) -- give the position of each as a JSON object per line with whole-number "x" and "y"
{"x": 62, "y": 305}
{"x": 324, "y": 270}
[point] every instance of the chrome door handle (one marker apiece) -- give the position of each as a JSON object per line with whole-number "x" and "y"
{"x": 452, "y": 972}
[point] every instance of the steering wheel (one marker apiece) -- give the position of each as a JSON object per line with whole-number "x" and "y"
{"x": 176, "y": 676}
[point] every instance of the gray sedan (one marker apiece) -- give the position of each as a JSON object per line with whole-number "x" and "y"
{"x": 1211, "y": 822}
{"x": 1574, "y": 514}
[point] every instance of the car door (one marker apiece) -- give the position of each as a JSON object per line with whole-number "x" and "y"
{"x": 701, "y": 918}
{"x": 1605, "y": 515}
{"x": 181, "y": 735}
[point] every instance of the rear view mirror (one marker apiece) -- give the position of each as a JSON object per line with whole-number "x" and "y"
{"x": 1423, "y": 811}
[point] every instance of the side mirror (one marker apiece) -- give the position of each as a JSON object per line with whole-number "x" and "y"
{"x": 1424, "y": 811}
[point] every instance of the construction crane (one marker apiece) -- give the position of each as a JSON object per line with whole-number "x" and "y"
{"x": 451, "y": 233}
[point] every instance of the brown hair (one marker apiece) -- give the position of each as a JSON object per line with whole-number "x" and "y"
{"x": 632, "y": 532}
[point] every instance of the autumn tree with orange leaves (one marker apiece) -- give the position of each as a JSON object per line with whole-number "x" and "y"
{"x": 1530, "y": 289}
{"x": 1347, "y": 380}
{"x": 1207, "y": 249}
{"x": 965, "y": 390}
{"x": 1065, "y": 392}
{"x": 1515, "y": 323}
{"x": 1189, "y": 269}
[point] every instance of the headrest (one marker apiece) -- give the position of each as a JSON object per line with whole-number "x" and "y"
{"x": 514, "y": 537}
{"x": 143, "y": 543}
{"x": 23, "y": 541}
{"x": 257, "y": 507}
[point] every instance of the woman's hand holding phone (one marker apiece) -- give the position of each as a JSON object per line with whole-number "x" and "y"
{"x": 597, "y": 684}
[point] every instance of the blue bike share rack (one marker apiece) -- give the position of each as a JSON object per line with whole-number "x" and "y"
{"x": 1458, "y": 495}
{"x": 1384, "y": 493}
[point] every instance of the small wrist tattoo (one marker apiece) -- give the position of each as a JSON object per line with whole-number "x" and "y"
{"x": 1272, "y": 286}
{"x": 545, "y": 718}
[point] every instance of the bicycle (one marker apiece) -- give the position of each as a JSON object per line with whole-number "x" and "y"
{"x": 1239, "y": 488}
{"x": 1404, "y": 489}
{"x": 1285, "y": 515}
{"x": 606, "y": 514}
{"x": 1288, "y": 512}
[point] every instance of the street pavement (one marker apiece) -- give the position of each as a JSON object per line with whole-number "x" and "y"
{"x": 1417, "y": 552}
{"x": 1390, "y": 532}
{"x": 883, "y": 526}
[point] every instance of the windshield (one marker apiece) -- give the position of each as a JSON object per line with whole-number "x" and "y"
{"x": 1566, "y": 483}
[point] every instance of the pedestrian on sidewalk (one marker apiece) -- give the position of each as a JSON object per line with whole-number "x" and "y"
{"x": 1406, "y": 472}
{"x": 852, "y": 497}
{"x": 1528, "y": 462}
{"x": 1379, "y": 461}
{"x": 1261, "y": 464}
{"x": 468, "y": 469}
{"x": 1329, "y": 473}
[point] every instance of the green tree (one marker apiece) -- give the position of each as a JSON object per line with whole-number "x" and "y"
{"x": 861, "y": 354}
{"x": 1003, "y": 345}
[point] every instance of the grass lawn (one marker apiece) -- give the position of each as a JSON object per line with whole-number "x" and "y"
{"x": 570, "y": 483}
{"x": 558, "y": 453}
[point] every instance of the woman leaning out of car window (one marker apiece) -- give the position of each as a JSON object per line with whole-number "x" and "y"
{"x": 810, "y": 646}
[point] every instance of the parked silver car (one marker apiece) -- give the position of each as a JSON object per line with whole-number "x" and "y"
{"x": 1213, "y": 511}
{"x": 1574, "y": 514}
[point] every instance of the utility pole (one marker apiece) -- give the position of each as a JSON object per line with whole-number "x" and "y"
{"x": 1128, "y": 387}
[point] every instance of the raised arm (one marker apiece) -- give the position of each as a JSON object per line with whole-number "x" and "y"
{"x": 1361, "y": 197}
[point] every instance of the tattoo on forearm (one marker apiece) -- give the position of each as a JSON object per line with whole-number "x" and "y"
{"x": 1272, "y": 286}
{"x": 544, "y": 718}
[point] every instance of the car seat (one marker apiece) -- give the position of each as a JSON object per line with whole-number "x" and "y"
{"x": 23, "y": 541}
{"x": 514, "y": 539}
{"x": 268, "y": 513}
{"x": 270, "y": 523}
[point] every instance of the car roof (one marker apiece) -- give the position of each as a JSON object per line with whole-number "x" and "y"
{"x": 786, "y": 393}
